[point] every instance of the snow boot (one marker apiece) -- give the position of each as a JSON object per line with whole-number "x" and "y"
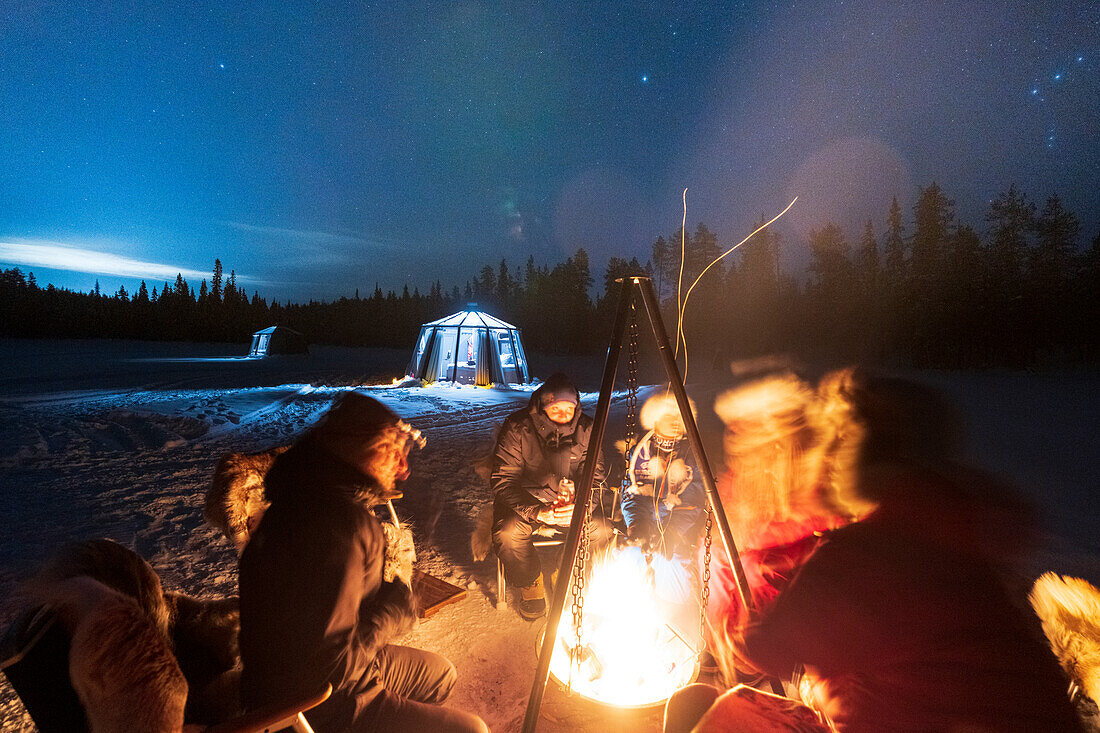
{"x": 532, "y": 600}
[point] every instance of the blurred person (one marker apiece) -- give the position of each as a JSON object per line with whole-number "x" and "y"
{"x": 318, "y": 602}
{"x": 539, "y": 455}
{"x": 773, "y": 491}
{"x": 901, "y": 619}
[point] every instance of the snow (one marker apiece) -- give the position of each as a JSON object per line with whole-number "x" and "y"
{"x": 119, "y": 439}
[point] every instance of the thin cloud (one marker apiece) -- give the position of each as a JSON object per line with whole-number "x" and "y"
{"x": 318, "y": 239}
{"x": 56, "y": 256}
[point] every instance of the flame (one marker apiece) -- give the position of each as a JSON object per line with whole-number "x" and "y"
{"x": 634, "y": 648}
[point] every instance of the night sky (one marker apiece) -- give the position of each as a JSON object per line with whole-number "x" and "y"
{"x": 317, "y": 148}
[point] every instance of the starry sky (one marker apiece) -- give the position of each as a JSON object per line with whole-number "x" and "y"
{"x": 320, "y": 147}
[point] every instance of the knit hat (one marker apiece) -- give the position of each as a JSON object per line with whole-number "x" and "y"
{"x": 359, "y": 417}
{"x": 558, "y": 388}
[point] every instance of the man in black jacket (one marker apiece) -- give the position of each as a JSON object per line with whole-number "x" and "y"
{"x": 540, "y": 452}
{"x": 315, "y": 606}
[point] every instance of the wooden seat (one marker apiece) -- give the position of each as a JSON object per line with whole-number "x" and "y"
{"x": 276, "y": 717}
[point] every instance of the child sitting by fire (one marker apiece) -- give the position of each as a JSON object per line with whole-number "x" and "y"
{"x": 664, "y": 504}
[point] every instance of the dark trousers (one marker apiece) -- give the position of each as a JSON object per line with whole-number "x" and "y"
{"x": 414, "y": 682}
{"x": 514, "y": 538}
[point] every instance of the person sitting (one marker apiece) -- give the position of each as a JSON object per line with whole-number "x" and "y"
{"x": 539, "y": 455}
{"x": 774, "y": 489}
{"x": 663, "y": 507}
{"x": 901, "y": 619}
{"x": 317, "y": 602}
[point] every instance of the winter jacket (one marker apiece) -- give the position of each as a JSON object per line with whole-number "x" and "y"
{"x": 314, "y": 606}
{"x": 903, "y": 625}
{"x": 684, "y": 519}
{"x": 533, "y": 453}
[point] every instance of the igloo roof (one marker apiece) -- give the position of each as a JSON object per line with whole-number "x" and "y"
{"x": 472, "y": 319}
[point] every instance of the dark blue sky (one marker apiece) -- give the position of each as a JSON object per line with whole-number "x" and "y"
{"x": 320, "y": 147}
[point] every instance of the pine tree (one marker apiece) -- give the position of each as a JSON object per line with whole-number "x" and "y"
{"x": 704, "y": 251}
{"x": 1012, "y": 220}
{"x": 867, "y": 259}
{"x": 934, "y": 214}
{"x": 485, "y": 286}
{"x": 504, "y": 286}
{"x": 216, "y": 280}
{"x": 829, "y": 251}
{"x": 660, "y": 256}
{"x": 1057, "y": 230}
{"x": 894, "y": 246}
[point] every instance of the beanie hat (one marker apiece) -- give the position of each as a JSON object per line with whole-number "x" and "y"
{"x": 354, "y": 415}
{"x": 558, "y": 388}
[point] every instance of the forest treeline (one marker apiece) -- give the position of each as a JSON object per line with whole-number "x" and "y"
{"x": 925, "y": 291}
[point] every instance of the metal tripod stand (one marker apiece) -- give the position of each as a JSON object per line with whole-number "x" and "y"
{"x": 632, "y": 287}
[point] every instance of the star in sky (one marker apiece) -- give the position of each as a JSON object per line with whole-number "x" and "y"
{"x": 437, "y": 106}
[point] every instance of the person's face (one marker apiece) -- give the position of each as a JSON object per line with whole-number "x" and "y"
{"x": 561, "y": 412}
{"x": 670, "y": 426}
{"x": 392, "y": 462}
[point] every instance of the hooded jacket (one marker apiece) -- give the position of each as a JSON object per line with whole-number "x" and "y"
{"x": 533, "y": 453}
{"x": 314, "y": 606}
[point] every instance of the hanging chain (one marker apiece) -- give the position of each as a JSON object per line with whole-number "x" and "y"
{"x": 578, "y": 591}
{"x": 580, "y": 566}
{"x": 704, "y": 585}
{"x": 631, "y": 395}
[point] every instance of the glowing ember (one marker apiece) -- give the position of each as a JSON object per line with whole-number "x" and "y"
{"x": 636, "y": 649}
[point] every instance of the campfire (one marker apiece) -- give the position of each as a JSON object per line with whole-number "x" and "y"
{"x": 639, "y": 632}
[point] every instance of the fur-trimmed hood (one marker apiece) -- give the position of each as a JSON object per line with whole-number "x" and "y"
{"x": 309, "y": 468}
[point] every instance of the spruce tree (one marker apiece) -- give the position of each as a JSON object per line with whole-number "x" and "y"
{"x": 216, "y": 281}
{"x": 894, "y": 246}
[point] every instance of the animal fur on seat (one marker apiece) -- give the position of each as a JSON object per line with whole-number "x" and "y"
{"x": 204, "y": 636}
{"x": 120, "y": 664}
{"x": 115, "y": 566}
{"x": 1070, "y": 611}
{"x": 235, "y": 502}
{"x": 201, "y": 634}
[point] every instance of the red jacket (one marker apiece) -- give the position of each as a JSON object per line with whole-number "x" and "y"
{"x": 904, "y": 625}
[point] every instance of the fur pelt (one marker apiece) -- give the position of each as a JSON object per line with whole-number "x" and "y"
{"x": 120, "y": 663}
{"x": 1070, "y": 611}
{"x": 205, "y": 638}
{"x": 116, "y": 567}
{"x": 235, "y": 502}
{"x": 400, "y": 553}
{"x": 201, "y": 634}
{"x": 481, "y": 540}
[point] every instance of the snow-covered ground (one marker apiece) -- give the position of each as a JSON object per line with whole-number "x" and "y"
{"x": 119, "y": 439}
